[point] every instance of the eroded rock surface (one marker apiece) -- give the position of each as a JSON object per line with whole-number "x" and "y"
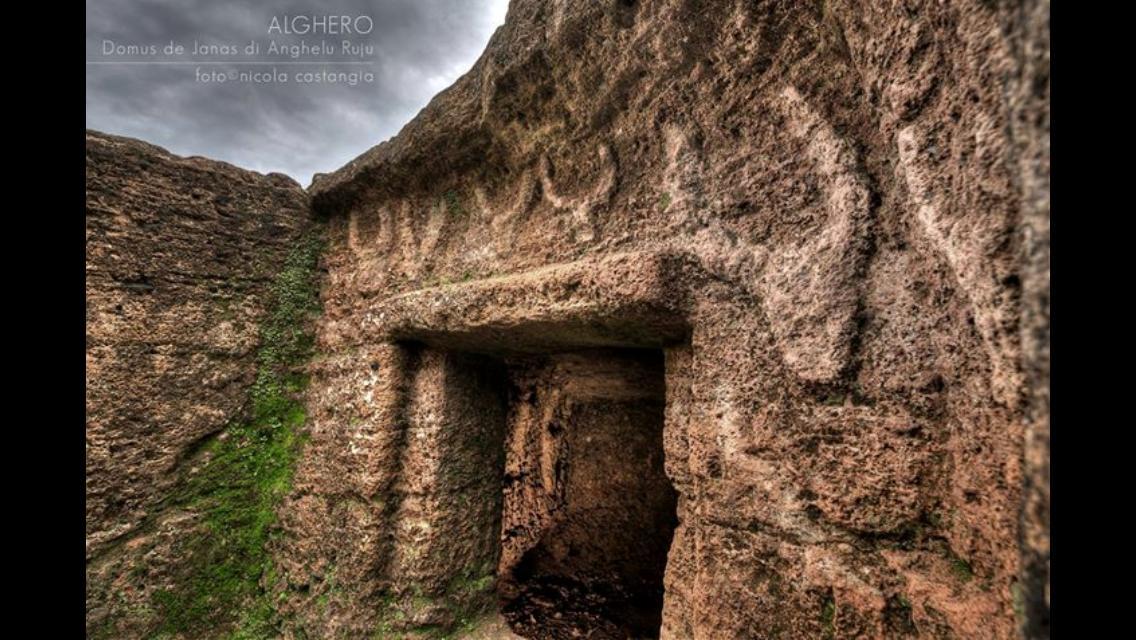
{"x": 834, "y": 199}
{"x": 780, "y": 270}
{"x": 181, "y": 253}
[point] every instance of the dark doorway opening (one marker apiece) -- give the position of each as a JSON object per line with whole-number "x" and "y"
{"x": 588, "y": 511}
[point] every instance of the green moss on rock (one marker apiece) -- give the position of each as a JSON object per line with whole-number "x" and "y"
{"x": 248, "y": 470}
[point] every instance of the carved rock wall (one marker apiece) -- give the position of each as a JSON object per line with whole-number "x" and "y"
{"x": 830, "y": 219}
{"x": 839, "y": 193}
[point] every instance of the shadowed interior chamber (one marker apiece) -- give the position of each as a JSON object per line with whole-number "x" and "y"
{"x": 589, "y": 513}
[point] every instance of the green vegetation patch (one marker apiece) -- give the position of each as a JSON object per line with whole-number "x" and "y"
{"x": 828, "y": 617}
{"x": 248, "y": 470}
{"x": 452, "y": 202}
{"x": 962, "y": 569}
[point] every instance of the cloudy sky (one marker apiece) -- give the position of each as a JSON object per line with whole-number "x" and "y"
{"x": 293, "y": 110}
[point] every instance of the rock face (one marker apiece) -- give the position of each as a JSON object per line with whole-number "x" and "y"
{"x": 180, "y": 256}
{"x": 812, "y": 213}
{"x": 671, "y": 318}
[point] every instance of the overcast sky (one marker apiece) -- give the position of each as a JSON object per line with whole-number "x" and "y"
{"x": 275, "y": 120}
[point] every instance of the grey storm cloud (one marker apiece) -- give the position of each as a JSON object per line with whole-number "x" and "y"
{"x": 418, "y": 47}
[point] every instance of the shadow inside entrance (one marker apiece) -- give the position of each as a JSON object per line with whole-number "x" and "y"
{"x": 588, "y": 512}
